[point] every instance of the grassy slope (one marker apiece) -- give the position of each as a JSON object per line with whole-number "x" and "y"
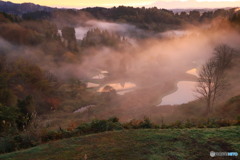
{"x": 179, "y": 144}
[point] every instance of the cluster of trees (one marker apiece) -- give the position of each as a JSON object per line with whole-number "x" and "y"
{"x": 235, "y": 18}
{"x": 34, "y": 32}
{"x": 38, "y": 15}
{"x": 29, "y": 32}
{"x": 69, "y": 38}
{"x": 6, "y": 18}
{"x": 154, "y": 18}
{"x": 42, "y": 34}
{"x": 197, "y": 16}
{"x": 24, "y": 91}
{"x": 46, "y": 35}
{"x": 96, "y": 38}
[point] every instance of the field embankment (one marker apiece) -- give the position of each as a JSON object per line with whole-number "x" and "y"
{"x": 141, "y": 144}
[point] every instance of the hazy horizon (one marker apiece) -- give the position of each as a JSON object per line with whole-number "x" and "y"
{"x": 172, "y": 4}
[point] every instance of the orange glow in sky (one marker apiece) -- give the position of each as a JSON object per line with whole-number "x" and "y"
{"x": 135, "y": 3}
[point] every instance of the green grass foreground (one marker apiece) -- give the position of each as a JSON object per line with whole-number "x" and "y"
{"x": 139, "y": 144}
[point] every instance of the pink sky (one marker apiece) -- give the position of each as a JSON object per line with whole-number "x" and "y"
{"x": 169, "y": 4}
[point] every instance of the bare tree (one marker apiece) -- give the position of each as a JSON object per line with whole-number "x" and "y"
{"x": 211, "y": 80}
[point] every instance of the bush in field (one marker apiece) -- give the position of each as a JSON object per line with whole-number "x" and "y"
{"x": 133, "y": 124}
{"x": 114, "y": 126}
{"x": 12, "y": 143}
{"x": 7, "y": 144}
{"x": 105, "y": 125}
{"x": 238, "y": 120}
{"x": 59, "y": 134}
{"x": 7, "y": 97}
{"x": 95, "y": 126}
{"x": 209, "y": 123}
{"x": 113, "y": 119}
{"x": 224, "y": 122}
{"x": 146, "y": 123}
{"x": 189, "y": 124}
{"x": 177, "y": 124}
{"x": 25, "y": 141}
{"x": 8, "y": 118}
{"x": 137, "y": 124}
{"x": 51, "y": 135}
{"x": 84, "y": 128}
{"x": 99, "y": 125}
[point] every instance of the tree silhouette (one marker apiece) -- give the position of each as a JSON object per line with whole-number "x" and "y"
{"x": 211, "y": 80}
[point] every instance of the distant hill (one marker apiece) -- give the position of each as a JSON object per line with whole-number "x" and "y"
{"x": 20, "y": 9}
{"x": 188, "y": 10}
{"x": 201, "y": 10}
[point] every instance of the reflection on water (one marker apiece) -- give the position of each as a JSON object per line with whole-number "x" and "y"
{"x": 184, "y": 94}
{"x": 121, "y": 88}
{"x": 193, "y": 72}
{"x": 104, "y": 72}
{"x": 99, "y": 76}
{"x": 92, "y": 85}
{"x": 122, "y": 92}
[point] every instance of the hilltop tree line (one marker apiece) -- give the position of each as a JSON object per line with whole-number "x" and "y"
{"x": 154, "y": 18}
{"x": 144, "y": 18}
